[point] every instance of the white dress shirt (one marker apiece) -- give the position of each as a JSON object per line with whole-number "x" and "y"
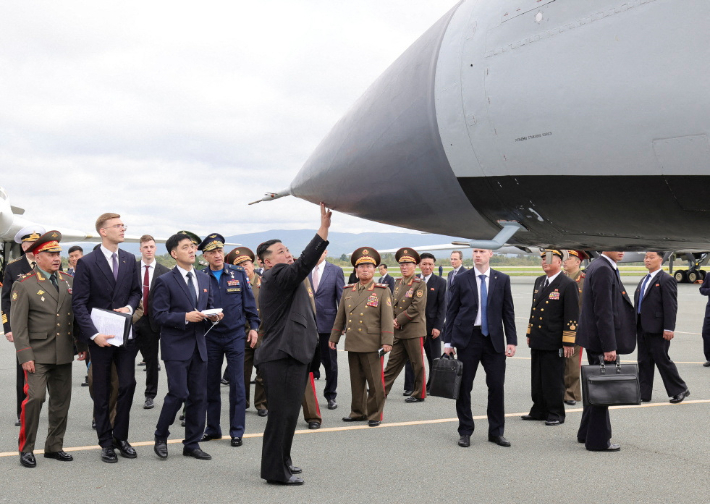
{"x": 151, "y": 271}
{"x": 478, "y": 284}
{"x": 184, "y": 273}
{"x": 107, "y": 254}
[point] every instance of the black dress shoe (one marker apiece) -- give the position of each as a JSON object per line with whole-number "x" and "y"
{"x": 17, "y": 423}
{"x": 196, "y": 453}
{"x": 209, "y": 437}
{"x": 60, "y": 455}
{"x": 124, "y": 448}
{"x": 148, "y": 403}
{"x": 499, "y": 440}
{"x": 332, "y": 404}
{"x": 552, "y": 423}
{"x": 570, "y": 402}
{"x": 295, "y": 470}
{"x": 678, "y": 398}
{"x": 182, "y": 417}
{"x": 85, "y": 383}
{"x": 706, "y": 364}
{"x": 351, "y": 419}
{"x": 262, "y": 412}
{"x": 313, "y": 425}
{"x": 161, "y": 448}
{"x": 645, "y": 400}
{"x": 28, "y": 459}
{"x": 407, "y": 392}
{"x": 236, "y": 441}
{"x": 141, "y": 363}
{"x": 373, "y": 423}
{"x": 465, "y": 441}
{"x": 610, "y": 448}
{"x": 293, "y": 480}
{"x": 581, "y": 441}
{"x": 530, "y": 417}
{"x": 108, "y": 456}
{"x": 412, "y": 399}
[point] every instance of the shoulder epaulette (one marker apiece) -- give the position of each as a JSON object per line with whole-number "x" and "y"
{"x": 235, "y": 267}
{"x": 416, "y": 279}
{"x": 24, "y": 277}
{"x": 382, "y": 286}
{"x": 349, "y": 285}
{"x": 15, "y": 260}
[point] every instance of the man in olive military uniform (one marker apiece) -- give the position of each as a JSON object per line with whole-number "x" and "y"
{"x": 366, "y": 318}
{"x": 42, "y": 326}
{"x": 244, "y": 257}
{"x": 573, "y": 363}
{"x": 409, "y": 300}
{"x": 20, "y": 266}
{"x": 551, "y": 336}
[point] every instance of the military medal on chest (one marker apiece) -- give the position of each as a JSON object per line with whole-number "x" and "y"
{"x": 373, "y": 300}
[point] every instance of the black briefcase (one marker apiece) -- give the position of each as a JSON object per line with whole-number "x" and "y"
{"x": 611, "y": 385}
{"x": 446, "y": 376}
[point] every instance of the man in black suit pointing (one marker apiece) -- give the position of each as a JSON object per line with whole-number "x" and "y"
{"x": 290, "y": 336}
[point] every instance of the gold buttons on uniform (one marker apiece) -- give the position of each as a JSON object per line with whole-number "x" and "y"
{"x": 542, "y": 309}
{"x": 362, "y": 314}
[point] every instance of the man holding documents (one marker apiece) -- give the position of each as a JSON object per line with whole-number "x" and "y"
{"x": 42, "y": 325}
{"x": 107, "y": 278}
{"x": 232, "y": 293}
{"x": 180, "y": 299}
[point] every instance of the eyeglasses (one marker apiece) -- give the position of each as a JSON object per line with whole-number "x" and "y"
{"x": 117, "y": 226}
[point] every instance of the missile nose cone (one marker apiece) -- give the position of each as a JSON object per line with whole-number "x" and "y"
{"x": 384, "y": 160}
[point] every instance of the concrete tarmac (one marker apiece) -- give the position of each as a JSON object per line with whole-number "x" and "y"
{"x": 412, "y": 457}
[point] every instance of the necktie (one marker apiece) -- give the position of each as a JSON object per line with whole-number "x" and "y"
{"x": 316, "y": 279}
{"x": 643, "y": 290}
{"x": 146, "y": 288}
{"x": 453, "y": 275}
{"x": 114, "y": 259}
{"x": 547, "y": 282}
{"x": 33, "y": 264}
{"x": 484, "y": 305}
{"x": 53, "y": 279}
{"x": 191, "y": 288}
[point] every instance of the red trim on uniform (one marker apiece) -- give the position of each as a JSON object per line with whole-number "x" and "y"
{"x": 23, "y": 427}
{"x": 313, "y": 389}
{"x": 421, "y": 349}
{"x": 382, "y": 376}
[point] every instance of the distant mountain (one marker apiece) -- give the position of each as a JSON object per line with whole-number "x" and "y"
{"x": 340, "y": 243}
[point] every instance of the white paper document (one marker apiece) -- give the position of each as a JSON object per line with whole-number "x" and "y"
{"x": 111, "y": 323}
{"x": 213, "y": 311}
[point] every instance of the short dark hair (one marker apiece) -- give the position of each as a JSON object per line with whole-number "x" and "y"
{"x": 264, "y": 247}
{"x": 75, "y": 248}
{"x": 174, "y": 240}
{"x": 383, "y": 265}
{"x": 427, "y": 255}
{"x": 660, "y": 253}
{"x": 146, "y": 238}
{"x": 459, "y": 253}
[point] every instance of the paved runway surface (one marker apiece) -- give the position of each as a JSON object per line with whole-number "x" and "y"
{"x": 412, "y": 457}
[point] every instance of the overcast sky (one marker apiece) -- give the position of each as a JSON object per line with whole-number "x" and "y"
{"x": 177, "y": 114}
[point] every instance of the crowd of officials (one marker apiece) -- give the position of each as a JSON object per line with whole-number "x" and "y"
{"x": 289, "y": 319}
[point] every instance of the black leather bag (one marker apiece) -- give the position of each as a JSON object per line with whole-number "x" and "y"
{"x": 446, "y": 376}
{"x": 611, "y": 384}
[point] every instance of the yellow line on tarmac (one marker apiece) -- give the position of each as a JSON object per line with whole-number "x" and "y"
{"x": 385, "y": 425}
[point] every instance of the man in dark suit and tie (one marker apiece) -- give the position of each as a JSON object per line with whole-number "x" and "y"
{"x": 606, "y": 329}
{"x": 75, "y": 253}
{"x": 327, "y": 280}
{"x": 480, "y": 309}
{"x": 386, "y": 278}
{"x": 435, "y": 315}
{"x": 178, "y": 300}
{"x": 107, "y": 278}
{"x": 147, "y": 336}
{"x": 290, "y": 336}
{"x": 456, "y": 259}
{"x": 656, "y": 302}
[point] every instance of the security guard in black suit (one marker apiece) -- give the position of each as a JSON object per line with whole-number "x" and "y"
{"x": 551, "y": 337}
{"x": 232, "y": 292}
{"x": 656, "y": 302}
{"x": 20, "y": 266}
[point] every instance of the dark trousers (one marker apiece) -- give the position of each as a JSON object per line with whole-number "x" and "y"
{"x": 284, "y": 380}
{"x": 547, "y": 384}
{"x": 706, "y": 333}
{"x": 124, "y": 358}
{"x": 259, "y": 394}
{"x": 19, "y": 386}
{"x": 186, "y": 384}
{"x": 231, "y": 346}
{"x": 432, "y": 349}
{"x": 595, "y": 427}
{"x": 329, "y": 359}
{"x": 480, "y": 349}
{"x": 653, "y": 349}
{"x": 57, "y": 379}
{"x": 148, "y": 343}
